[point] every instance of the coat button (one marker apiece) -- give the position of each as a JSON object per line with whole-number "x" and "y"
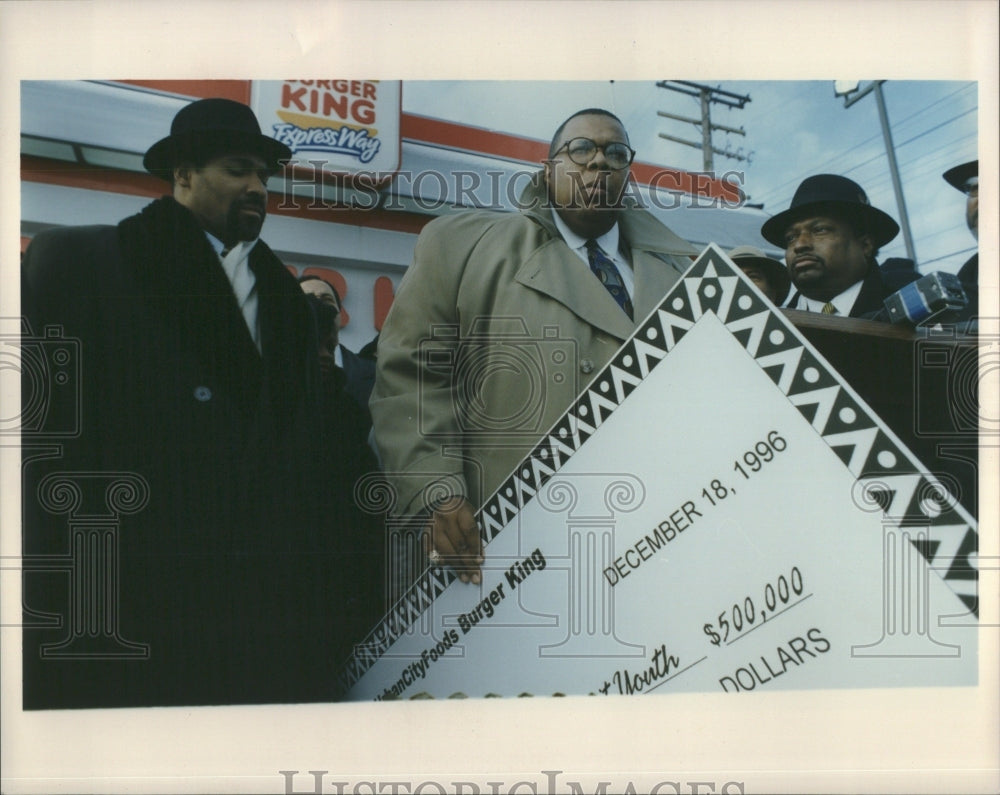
{"x": 202, "y": 394}
{"x": 586, "y": 366}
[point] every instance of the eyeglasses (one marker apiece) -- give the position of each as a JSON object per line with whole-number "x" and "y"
{"x": 582, "y": 150}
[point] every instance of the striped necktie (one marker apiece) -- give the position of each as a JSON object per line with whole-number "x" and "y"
{"x": 604, "y": 269}
{"x": 828, "y": 309}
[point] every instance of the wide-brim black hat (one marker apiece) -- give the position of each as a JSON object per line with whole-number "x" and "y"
{"x": 212, "y": 126}
{"x": 959, "y": 175}
{"x": 775, "y": 272}
{"x": 831, "y": 194}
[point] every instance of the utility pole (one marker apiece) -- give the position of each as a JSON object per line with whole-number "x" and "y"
{"x": 708, "y": 96}
{"x": 845, "y": 89}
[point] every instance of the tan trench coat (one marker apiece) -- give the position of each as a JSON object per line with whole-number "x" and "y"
{"x": 496, "y": 327}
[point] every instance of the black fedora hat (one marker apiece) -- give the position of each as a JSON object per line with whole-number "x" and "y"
{"x": 775, "y": 272}
{"x": 838, "y": 196}
{"x": 214, "y": 126}
{"x": 958, "y": 176}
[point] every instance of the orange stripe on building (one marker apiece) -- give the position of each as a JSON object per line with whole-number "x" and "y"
{"x": 76, "y": 175}
{"x": 470, "y": 139}
{"x": 237, "y": 90}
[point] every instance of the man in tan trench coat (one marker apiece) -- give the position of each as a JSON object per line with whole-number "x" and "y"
{"x": 500, "y": 322}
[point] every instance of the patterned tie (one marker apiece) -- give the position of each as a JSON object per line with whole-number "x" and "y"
{"x": 605, "y": 270}
{"x": 829, "y": 309}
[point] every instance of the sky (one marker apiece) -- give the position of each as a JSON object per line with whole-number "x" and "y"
{"x": 794, "y": 128}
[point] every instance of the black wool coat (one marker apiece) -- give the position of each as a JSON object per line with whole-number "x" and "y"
{"x": 223, "y": 584}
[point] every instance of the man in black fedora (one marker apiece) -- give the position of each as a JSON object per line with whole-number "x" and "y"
{"x": 966, "y": 179}
{"x": 831, "y": 235}
{"x": 212, "y": 583}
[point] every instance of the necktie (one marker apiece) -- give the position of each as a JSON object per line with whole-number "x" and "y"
{"x": 604, "y": 269}
{"x": 829, "y": 309}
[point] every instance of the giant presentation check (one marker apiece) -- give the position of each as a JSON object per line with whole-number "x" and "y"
{"x": 718, "y": 511}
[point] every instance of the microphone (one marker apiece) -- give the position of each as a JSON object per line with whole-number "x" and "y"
{"x": 931, "y": 298}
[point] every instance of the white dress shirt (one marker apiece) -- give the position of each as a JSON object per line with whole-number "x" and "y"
{"x": 609, "y": 245}
{"x": 843, "y": 303}
{"x": 236, "y": 264}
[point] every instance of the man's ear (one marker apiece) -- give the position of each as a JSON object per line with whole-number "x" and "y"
{"x": 546, "y": 172}
{"x": 866, "y": 245}
{"x": 182, "y": 176}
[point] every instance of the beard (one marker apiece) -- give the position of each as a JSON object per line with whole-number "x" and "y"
{"x": 245, "y": 226}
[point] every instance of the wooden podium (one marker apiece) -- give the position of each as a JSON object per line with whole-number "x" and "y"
{"x": 923, "y": 384}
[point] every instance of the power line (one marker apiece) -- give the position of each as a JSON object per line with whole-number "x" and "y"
{"x": 955, "y": 254}
{"x": 779, "y": 190}
{"x": 936, "y": 102}
{"x": 937, "y": 127}
{"x": 707, "y": 97}
{"x": 935, "y": 132}
{"x": 878, "y": 182}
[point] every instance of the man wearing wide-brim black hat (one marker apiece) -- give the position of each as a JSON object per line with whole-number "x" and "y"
{"x": 966, "y": 179}
{"x": 831, "y": 235}
{"x": 198, "y": 365}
